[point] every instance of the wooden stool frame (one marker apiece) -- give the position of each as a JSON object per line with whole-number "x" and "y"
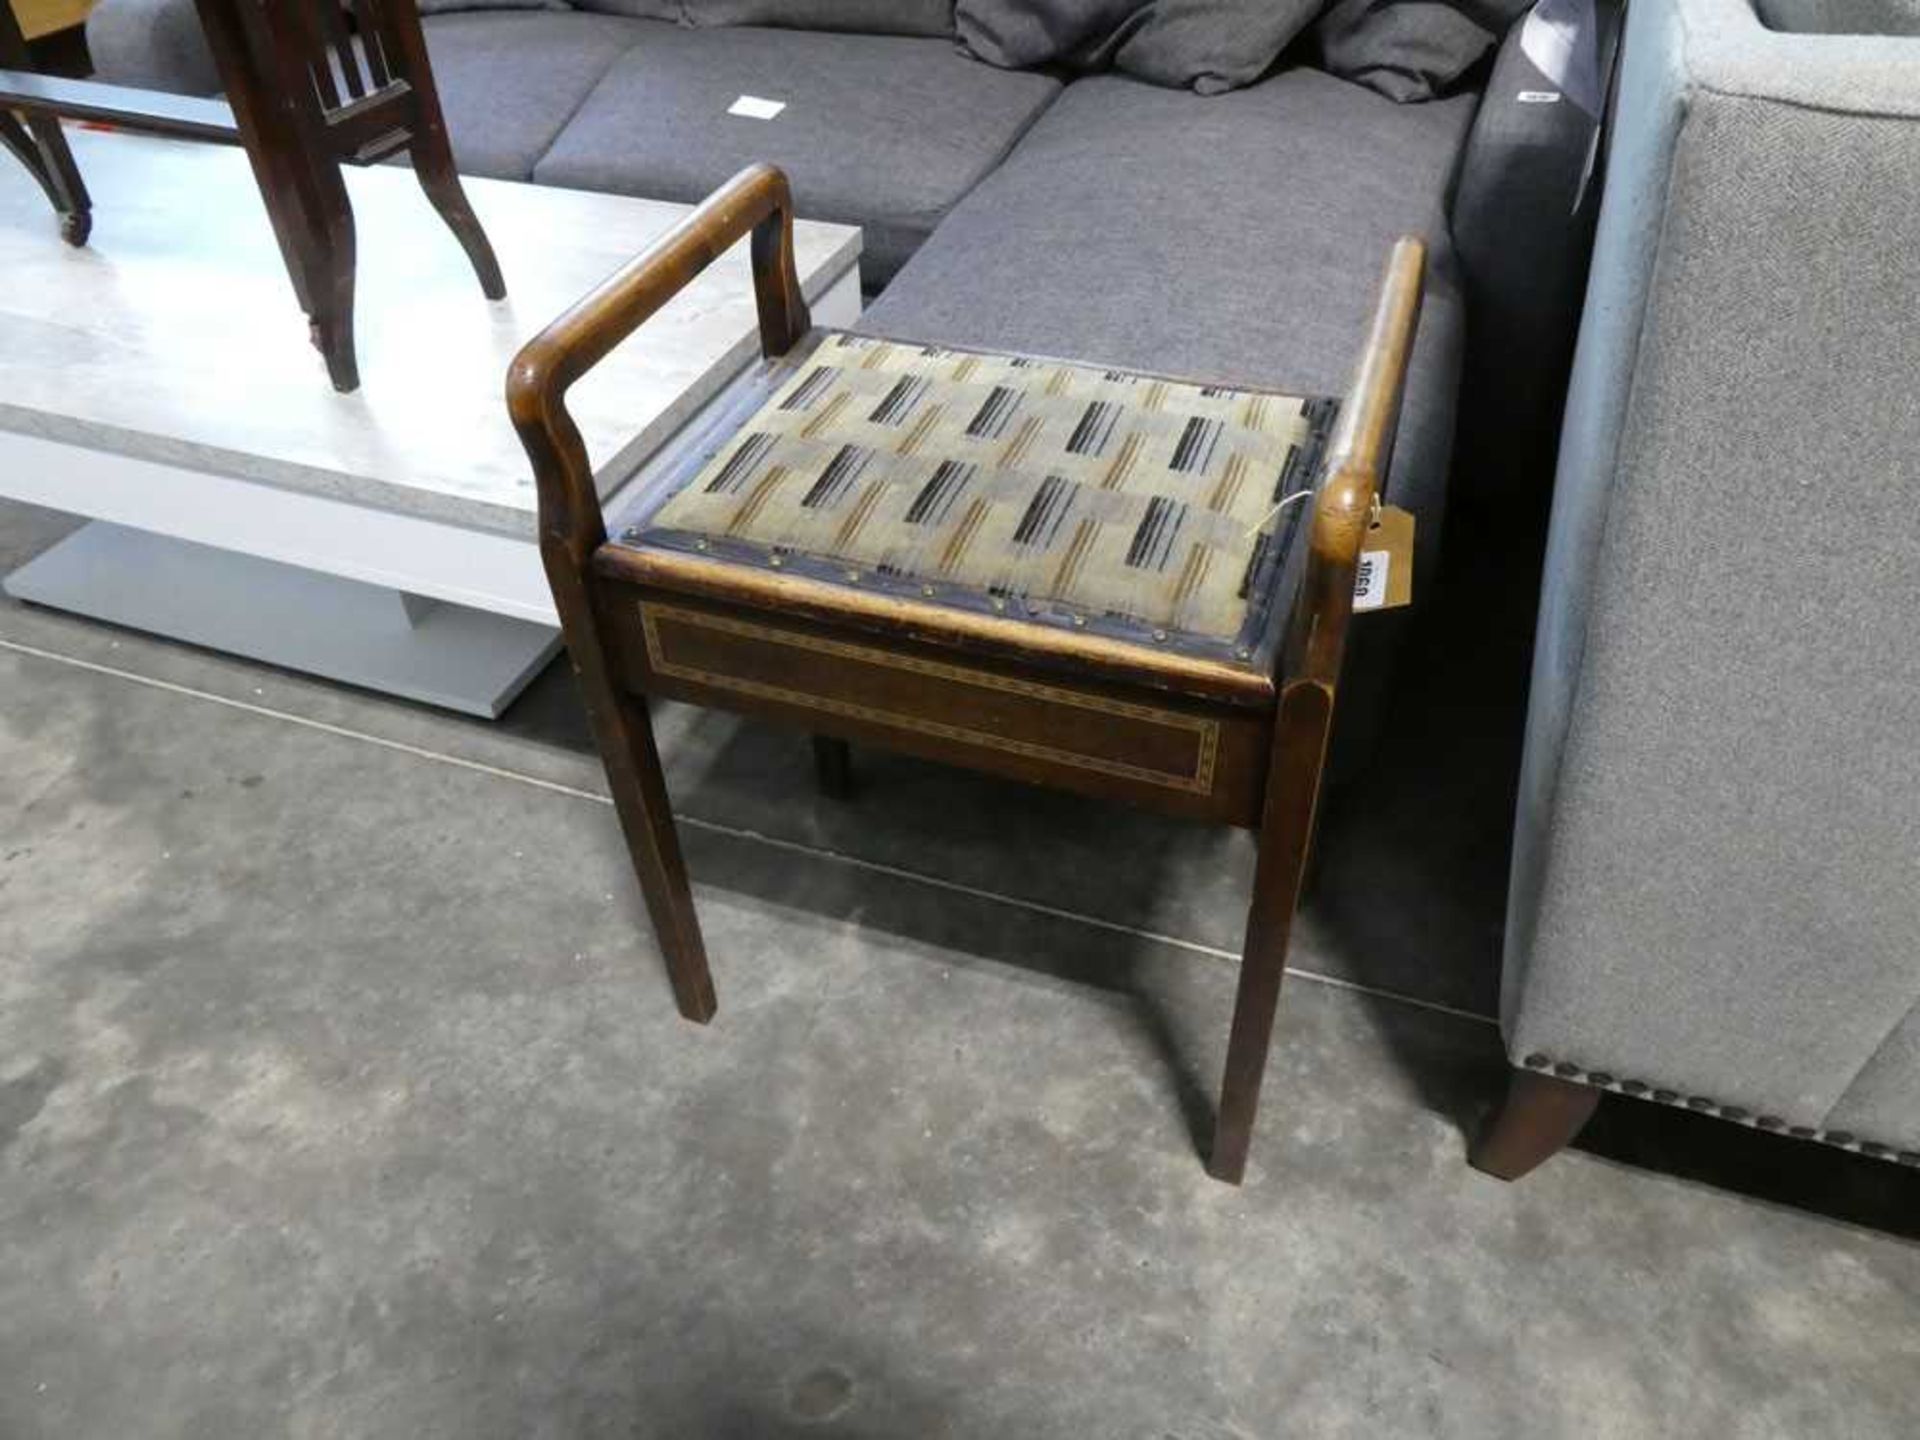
{"x": 304, "y": 96}
{"x": 642, "y": 622}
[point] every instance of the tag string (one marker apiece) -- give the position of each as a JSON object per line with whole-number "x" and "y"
{"x": 1262, "y": 522}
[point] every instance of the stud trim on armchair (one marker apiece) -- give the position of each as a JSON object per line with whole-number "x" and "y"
{"x": 1643, "y": 1090}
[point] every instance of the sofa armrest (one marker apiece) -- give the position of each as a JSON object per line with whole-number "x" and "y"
{"x": 1726, "y": 47}
{"x": 1712, "y": 886}
{"x": 152, "y": 44}
{"x": 1523, "y": 212}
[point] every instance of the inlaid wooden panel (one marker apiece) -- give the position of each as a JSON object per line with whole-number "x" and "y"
{"x": 1193, "y": 758}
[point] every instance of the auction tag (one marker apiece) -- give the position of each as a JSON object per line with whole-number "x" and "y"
{"x": 1383, "y": 579}
{"x": 753, "y": 107}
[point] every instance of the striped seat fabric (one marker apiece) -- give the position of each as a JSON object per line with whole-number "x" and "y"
{"x": 1057, "y": 492}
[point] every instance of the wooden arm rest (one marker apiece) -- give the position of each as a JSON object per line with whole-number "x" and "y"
{"x": 1357, "y": 458}
{"x": 757, "y": 200}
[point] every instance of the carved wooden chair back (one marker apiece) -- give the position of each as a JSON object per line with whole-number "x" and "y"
{"x": 309, "y": 85}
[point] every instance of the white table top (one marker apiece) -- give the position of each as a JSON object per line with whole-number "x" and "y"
{"x": 174, "y": 335}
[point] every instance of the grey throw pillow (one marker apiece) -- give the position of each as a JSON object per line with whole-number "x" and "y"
{"x": 1018, "y": 34}
{"x": 633, "y": 9}
{"x": 871, "y": 17}
{"x": 1411, "y": 50}
{"x": 448, "y": 7}
{"x": 1210, "y": 45}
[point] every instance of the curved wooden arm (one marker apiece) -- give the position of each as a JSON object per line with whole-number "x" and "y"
{"x": 756, "y": 200}
{"x": 1357, "y": 458}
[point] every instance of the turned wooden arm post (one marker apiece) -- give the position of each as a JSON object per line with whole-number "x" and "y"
{"x": 1355, "y": 471}
{"x": 1309, "y": 673}
{"x": 572, "y": 526}
{"x": 756, "y": 200}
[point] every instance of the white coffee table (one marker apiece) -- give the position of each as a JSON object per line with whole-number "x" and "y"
{"x": 160, "y": 382}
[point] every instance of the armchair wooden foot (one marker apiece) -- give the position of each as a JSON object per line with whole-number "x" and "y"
{"x": 1541, "y": 1116}
{"x": 1069, "y": 575}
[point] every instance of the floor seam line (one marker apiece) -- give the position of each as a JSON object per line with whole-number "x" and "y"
{"x": 738, "y": 832}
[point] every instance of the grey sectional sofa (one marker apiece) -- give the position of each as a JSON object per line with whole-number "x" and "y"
{"x": 1234, "y": 236}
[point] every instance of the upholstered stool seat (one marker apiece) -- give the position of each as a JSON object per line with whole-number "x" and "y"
{"x": 1132, "y": 586}
{"x": 1139, "y": 506}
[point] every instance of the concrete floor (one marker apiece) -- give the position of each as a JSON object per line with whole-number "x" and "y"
{"x": 341, "y": 1095}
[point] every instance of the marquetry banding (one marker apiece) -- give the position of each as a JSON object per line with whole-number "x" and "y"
{"x": 1206, "y": 732}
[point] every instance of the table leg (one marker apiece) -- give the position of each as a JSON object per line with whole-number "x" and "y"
{"x": 38, "y": 143}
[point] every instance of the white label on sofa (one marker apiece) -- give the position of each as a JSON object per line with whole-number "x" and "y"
{"x": 1370, "y": 580}
{"x": 1538, "y": 97}
{"x": 1562, "y": 40}
{"x": 754, "y": 108}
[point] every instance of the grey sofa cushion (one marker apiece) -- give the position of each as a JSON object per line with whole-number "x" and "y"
{"x": 152, "y": 44}
{"x": 508, "y": 83}
{"x": 1210, "y": 45}
{"x": 1240, "y": 238}
{"x": 1411, "y": 49}
{"x": 870, "y": 17}
{"x": 882, "y": 131}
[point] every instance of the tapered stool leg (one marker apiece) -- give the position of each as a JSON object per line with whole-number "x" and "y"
{"x": 646, "y": 815}
{"x": 624, "y": 734}
{"x": 1286, "y": 840}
